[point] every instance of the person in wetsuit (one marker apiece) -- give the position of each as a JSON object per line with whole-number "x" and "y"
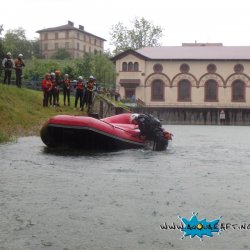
{"x": 8, "y": 65}
{"x": 150, "y": 128}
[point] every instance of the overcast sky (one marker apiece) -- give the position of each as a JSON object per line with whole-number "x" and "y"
{"x": 227, "y": 22}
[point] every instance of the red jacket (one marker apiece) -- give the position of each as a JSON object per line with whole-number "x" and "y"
{"x": 46, "y": 85}
{"x": 79, "y": 86}
{"x": 19, "y": 63}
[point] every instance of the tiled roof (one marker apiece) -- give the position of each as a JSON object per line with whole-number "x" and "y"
{"x": 196, "y": 52}
{"x": 67, "y": 27}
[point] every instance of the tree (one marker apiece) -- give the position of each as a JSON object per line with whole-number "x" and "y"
{"x": 35, "y": 48}
{"x": 104, "y": 69}
{"x": 37, "y": 68}
{"x": 143, "y": 34}
{"x": 61, "y": 54}
{"x": 1, "y": 29}
{"x": 15, "y": 41}
{"x": 84, "y": 66}
{"x": 1, "y": 49}
{"x": 98, "y": 65}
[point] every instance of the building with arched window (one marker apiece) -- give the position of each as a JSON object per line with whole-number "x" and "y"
{"x": 198, "y": 79}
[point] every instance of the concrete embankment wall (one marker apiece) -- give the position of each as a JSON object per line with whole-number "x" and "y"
{"x": 199, "y": 116}
{"x": 192, "y": 116}
{"x": 106, "y": 108}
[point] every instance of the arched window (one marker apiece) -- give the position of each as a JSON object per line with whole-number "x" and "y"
{"x": 124, "y": 66}
{"x": 130, "y": 66}
{"x": 238, "y": 91}
{"x": 211, "y": 91}
{"x": 157, "y": 90}
{"x": 136, "y": 66}
{"x": 184, "y": 91}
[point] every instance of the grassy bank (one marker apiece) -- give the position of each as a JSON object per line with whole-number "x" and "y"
{"x": 22, "y": 114}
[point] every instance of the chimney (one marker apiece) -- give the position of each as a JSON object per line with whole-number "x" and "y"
{"x": 81, "y": 27}
{"x": 70, "y": 23}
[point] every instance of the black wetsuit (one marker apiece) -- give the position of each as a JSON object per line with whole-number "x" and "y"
{"x": 150, "y": 127}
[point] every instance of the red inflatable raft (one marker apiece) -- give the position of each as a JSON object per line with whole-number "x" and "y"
{"x": 112, "y": 133}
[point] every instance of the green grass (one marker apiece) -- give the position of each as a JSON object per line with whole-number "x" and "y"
{"x": 22, "y": 113}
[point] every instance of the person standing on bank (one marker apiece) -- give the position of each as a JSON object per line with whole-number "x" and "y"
{"x": 88, "y": 95}
{"x": 66, "y": 89}
{"x": 19, "y": 64}
{"x": 79, "y": 92}
{"x": 47, "y": 87}
{"x": 52, "y": 98}
{"x": 8, "y": 65}
{"x": 58, "y": 82}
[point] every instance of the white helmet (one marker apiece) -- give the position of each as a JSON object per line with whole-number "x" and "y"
{"x": 66, "y": 75}
{"x": 20, "y": 55}
{"x": 133, "y": 117}
{"x": 91, "y": 77}
{"x": 80, "y": 78}
{"x": 8, "y": 54}
{"x": 53, "y": 74}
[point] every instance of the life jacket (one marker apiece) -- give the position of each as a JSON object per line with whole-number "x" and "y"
{"x": 53, "y": 80}
{"x": 49, "y": 85}
{"x": 46, "y": 85}
{"x": 79, "y": 86}
{"x": 19, "y": 64}
{"x": 58, "y": 80}
{"x": 8, "y": 64}
{"x": 66, "y": 83}
{"x": 90, "y": 86}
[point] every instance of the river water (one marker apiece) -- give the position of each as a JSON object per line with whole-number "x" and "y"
{"x": 119, "y": 200}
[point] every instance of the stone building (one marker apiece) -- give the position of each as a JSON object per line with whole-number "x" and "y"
{"x": 189, "y": 83}
{"x": 76, "y": 41}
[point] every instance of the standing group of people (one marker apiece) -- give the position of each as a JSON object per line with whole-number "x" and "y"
{"x": 84, "y": 90}
{"x": 51, "y": 89}
{"x": 9, "y": 64}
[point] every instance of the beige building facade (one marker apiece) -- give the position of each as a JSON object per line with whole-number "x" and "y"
{"x": 74, "y": 40}
{"x": 188, "y": 76}
{"x": 192, "y": 83}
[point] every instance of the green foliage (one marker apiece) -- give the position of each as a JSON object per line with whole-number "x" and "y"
{"x": 84, "y": 66}
{"x": 37, "y": 68}
{"x": 143, "y": 34}
{"x": 1, "y": 56}
{"x": 70, "y": 70}
{"x": 98, "y": 65}
{"x": 120, "y": 38}
{"x": 35, "y": 48}
{"x": 104, "y": 69}
{"x": 22, "y": 113}
{"x": 15, "y": 41}
{"x": 61, "y": 54}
